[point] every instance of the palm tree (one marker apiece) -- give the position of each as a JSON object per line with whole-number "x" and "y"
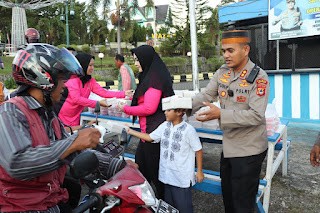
{"x": 213, "y": 30}
{"x": 123, "y": 10}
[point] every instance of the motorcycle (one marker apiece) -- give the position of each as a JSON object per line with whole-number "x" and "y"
{"x": 126, "y": 192}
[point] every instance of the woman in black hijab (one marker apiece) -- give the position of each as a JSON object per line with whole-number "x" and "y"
{"x": 79, "y": 92}
{"x": 154, "y": 84}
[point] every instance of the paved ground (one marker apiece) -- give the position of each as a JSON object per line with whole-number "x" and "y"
{"x": 298, "y": 192}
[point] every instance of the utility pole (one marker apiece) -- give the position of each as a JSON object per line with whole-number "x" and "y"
{"x": 194, "y": 48}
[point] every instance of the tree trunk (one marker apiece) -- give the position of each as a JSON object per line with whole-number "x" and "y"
{"x": 218, "y": 44}
{"x": 119, "y": 38}
{"x": 154, "y": 25}
{"x": 118, "y": 28}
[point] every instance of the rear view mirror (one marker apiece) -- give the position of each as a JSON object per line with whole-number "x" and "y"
{"x": 123, "y": 137}
{"x": 84, "y": 164}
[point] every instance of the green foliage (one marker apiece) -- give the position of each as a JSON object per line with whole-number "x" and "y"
{"x": 103, "y": 49}
{"x": 179, "y": 44}
{"x": 138, "y": 35}
{"x": 135, "y": 70}
{"x": 62, "y": 45}
{"x": 10, "y": 84}
{"x": 53, "y": 31}
{"x": 75, "y": 47}
{"x": 169, "y": 61}
{"x": 157, "y": 49}
{"x": 100, "y": 78}
{"x": 216, "y": 61}
{"x": 86, "y": 48}
{"x": 112, "y": 35}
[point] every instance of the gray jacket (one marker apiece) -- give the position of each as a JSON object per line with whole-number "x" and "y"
{"x": 243, "y": 114}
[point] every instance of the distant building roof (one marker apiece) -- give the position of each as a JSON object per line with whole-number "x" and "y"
{"x": 161, "y": 13}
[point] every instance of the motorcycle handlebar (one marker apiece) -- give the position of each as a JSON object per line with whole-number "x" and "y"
{"x": 92, "y": 201}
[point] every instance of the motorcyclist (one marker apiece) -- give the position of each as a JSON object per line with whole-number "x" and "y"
{"x": 35, "y": 147}
{"x": 32, "y": 35}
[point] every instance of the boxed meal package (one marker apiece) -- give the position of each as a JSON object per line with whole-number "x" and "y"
{"x": 176, "y": 102}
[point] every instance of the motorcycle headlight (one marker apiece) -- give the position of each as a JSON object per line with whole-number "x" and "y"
{"x": 145, "y": 192}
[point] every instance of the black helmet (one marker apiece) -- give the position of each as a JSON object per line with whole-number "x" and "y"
{"x": 32, "y": 35}
{"x": 38, "y": 65}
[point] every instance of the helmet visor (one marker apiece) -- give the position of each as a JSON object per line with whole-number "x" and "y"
{"x": 69, "y": 62}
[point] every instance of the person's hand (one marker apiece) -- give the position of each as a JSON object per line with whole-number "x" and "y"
{"x": 314, "y": 156}
{"x": 103, "y": 103}
{"x": 92, "y": 122}
{"x": 129, "y": 93}
{"x": 130, "y": 162}
{"x": 199, "y": 176}
{"x": 129, "y": 131}
{"x": 120, "y": 106}
{"x": 87, "y": 138}
{"x": 212, "y": 113}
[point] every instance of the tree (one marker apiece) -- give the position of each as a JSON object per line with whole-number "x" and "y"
{"x": 139, "y": 34}
{"x": 210, "y": 39}
{"x": 5, "y": 23}
{"x": 180, "y": 14}
{"x": 223, "y": 2}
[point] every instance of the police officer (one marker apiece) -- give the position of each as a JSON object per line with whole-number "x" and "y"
{"x": 243, "y": 91}
{"x": 290, "y": 19}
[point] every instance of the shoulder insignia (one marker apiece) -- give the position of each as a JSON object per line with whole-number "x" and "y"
{"x": 241, "y": 99}
{"x": 243, "y": 73}
{"x": 261, "y": 90}
{"x": 262, "y": 86}
{"x": 223, "y": 93}
{"x": 261, "y": 81}
{"x": 243, "y": 85}
{"x": 223, "y": 80}
{"x": 226, "y": 76}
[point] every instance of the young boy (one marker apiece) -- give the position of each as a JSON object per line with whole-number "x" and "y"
{"x": 179, "y": 143}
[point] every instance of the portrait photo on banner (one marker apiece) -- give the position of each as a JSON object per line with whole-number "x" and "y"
{"x": 293, "y": 18}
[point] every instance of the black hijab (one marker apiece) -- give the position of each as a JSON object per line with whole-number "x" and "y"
{"x": 84, "y": 60}
{"x": 156, "y": 75}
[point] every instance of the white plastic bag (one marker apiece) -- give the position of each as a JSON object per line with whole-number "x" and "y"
{"x": 272, "y": 118}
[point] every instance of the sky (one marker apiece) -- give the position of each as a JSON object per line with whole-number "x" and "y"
{"x": 212, "y": 3}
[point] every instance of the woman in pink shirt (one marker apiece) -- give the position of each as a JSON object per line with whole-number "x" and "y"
{"x": 79, "y": 91}
{"x": 154, "y": 84}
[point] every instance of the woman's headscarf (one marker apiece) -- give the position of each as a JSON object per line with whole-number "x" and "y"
{"x": 84, "y": 60}
{"x": 155, "y": 74}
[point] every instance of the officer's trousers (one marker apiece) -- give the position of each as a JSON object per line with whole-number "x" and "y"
{"x": 240, "y": 181}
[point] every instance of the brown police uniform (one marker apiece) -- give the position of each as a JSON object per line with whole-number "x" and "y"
{"x": 242, "y": 113}
{"x": 245, "y": 141}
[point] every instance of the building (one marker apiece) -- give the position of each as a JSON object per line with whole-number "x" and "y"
{"x": 291, "y": 59}
{"x": 144, "y": 16}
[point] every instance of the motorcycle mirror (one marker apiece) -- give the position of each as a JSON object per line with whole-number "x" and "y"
{"x": 123, "y": 137}
{"x": 84, "y": 164}
{"x": 97, "y": 111}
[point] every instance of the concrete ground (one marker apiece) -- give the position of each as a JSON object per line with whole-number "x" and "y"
{"x": 299, "y": 192}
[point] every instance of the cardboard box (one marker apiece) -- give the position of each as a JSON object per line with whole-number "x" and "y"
{"x": 176, "y": 102}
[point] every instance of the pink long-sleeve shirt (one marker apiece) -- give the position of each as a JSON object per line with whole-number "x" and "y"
{"x": 78, "y": 99}
{"x": 147, "y": 105}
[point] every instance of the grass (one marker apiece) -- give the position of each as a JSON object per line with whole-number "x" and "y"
{"x": 171, "y": 61}
{"x": 7, "y": 65}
